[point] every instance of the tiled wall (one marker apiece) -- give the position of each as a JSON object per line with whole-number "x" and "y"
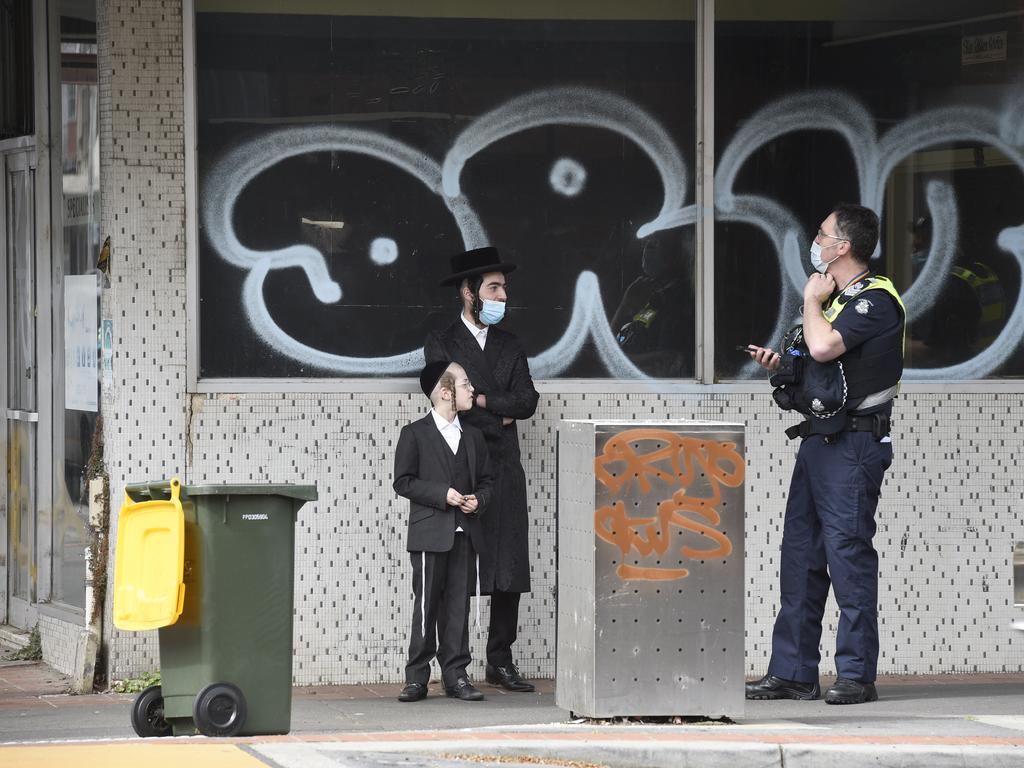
{"x": 947, "y": 519}
{"x": 63, "y": 644}
{"x": 142, "y": 156}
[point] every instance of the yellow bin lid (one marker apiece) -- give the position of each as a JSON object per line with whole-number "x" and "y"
{"x": 149, "y": 562}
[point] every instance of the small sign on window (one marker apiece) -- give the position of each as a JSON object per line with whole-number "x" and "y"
{"x": 978, "y": 49}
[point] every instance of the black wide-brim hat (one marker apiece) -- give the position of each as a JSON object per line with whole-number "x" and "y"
{"x": 478, "y": 261}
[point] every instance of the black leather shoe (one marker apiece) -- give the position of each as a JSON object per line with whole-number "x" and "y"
{"x": 846, "y": 691}
{"x": 413, "y": 692}
{"x": 464, "y": 690}
{"x": 508, "y": 678}
{"x": 772, "y": 687}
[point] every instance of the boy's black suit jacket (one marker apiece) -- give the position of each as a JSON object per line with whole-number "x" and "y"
{"x": 423, "y": 474}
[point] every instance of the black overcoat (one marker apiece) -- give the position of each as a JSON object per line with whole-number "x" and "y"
{"x": 502, "y": 373}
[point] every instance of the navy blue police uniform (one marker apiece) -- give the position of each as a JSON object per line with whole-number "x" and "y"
{"x": 836, "y": 483}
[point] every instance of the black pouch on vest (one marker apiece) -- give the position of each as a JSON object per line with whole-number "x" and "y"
{"x": 791, "y": 359}
{"x": 823, "y": 390}
{"x": 790, "y": 370}
{"x": 783, "y": 398}
{"x": 789, "y": 374}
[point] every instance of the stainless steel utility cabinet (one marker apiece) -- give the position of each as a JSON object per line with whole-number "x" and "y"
{"x": 650, "y": 568}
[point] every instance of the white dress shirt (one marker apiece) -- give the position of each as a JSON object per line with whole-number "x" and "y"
{"x": 451, "y": 431}
{"x": 480, "y": 334}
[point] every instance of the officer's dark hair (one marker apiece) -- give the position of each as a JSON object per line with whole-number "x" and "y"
{"x": 859, "y": 225}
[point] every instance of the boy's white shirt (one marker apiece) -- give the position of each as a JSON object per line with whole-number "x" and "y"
{"x": 451, "y": 431}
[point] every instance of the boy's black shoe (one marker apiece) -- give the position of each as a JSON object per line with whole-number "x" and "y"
{"x": 772, "y": 687}
{"x": 413, "y": 692}
{"x": 846, "y": 691}
{"x": 464, "y": 690}
{"x": 508, "y": 678}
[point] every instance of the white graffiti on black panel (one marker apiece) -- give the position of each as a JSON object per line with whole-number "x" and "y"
{"x": 874, "y": 160}
{"x": 588, "y": 320}
{"x": 236, "y": 169}
{"x": 998, "y": 352}
{"x": 927, "y": 286}
{"x": 587, "y": 107}
{"x": 568, "y": 177}
{"x": 270, "y": 333}
{"x": 383, "y": 251}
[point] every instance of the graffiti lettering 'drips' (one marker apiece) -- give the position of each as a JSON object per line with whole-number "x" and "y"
{"x": 657, "y": 459}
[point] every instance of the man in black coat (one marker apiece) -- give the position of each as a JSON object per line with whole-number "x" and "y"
{"x": 497, "y": 365}
{"x": 441, "y": 466}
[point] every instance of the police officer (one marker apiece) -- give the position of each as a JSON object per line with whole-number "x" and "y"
{"x": 856, "y": 318}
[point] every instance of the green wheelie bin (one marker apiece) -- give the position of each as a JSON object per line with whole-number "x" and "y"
{"x": 226, "y": 660}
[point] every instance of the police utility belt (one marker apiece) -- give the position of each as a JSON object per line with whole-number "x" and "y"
{"x": 820, "y": 392}
{"x": 875, "y": 423}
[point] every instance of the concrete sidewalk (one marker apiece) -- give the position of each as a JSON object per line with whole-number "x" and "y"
{"x": 950, "y": 720}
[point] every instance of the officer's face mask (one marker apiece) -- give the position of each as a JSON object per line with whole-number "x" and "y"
{"x": 816, "y": 260}
{"x": 492, "y": 311}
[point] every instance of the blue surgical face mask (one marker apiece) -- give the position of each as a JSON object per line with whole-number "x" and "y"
{"x": 816, "y": 262}
{"x": 492, "y": 312}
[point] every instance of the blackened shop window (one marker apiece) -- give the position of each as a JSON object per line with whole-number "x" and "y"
{"x": 913, "y": 110}
{"x": 343, "y": 159}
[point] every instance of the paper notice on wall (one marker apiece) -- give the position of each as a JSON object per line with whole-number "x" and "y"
{"x": 80, "y": 347}
{"x": 980, "y": 49}
{"x": 107, "y": 354}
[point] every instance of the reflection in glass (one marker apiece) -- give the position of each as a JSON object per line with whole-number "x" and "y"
{"x": 20, "y": 306}
{"x": 21, "y": 284}
{"x": 654, "y": 322}
{"x": 905, "y": 108}
{"x": 81, "y": 201}
{"x": 967, "y": 314}
{"x": 21, "y": 505}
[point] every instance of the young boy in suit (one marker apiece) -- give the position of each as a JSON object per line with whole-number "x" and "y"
{"x": 441, "y": 466}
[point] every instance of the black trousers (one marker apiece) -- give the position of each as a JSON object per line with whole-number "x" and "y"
{"x": 440, "y": 616}
{"x": 503, "y": 628}
{"x": 828, "y": 541}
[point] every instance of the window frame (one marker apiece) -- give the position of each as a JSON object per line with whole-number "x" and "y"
{"x": 704, "y": 273}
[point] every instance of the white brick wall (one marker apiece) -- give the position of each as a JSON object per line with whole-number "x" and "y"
{"x": 142, "y": 155}
{"x": 947, "y": 519}
{"x": 946, "y": 522}
{"x": 63, "y": 644}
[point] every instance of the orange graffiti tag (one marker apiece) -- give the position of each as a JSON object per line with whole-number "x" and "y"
{"x": 675, "y": 461}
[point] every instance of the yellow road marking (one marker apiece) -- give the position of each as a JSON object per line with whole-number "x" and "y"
{"x": 151, "y": 754}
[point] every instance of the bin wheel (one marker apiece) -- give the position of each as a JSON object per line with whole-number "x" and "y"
{"x": 148, "y": 713}
{"x": 219, "y": 710}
